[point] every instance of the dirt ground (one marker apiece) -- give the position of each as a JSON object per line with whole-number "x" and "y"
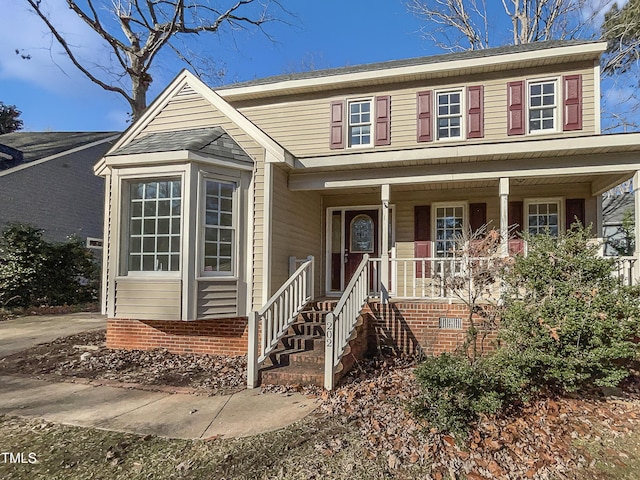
{"x": 85, "y": 356}
{"x": 362, "y": 426}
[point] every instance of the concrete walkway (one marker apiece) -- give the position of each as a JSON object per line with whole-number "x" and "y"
{"x": 128, "y": 410}
{"x": 24, "y": 332}
{"x": 156, "y": 413}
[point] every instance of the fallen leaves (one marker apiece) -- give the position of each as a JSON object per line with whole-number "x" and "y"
{"x": 535, "y": 442}
{"x": 210, "y": 374}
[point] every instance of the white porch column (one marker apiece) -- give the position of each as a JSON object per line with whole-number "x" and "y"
{"x": 504, "y": 216}
{"x": 636, "y": 217}
{"x": 384, "y": 255}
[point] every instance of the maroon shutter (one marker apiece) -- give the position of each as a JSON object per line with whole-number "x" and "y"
{"x": 515, "y": 103}
{"x": 516, "y": 217}
{"x": 424, "y": 117}
{"x": 476, "y": 112}
{"x": 383, "y": 120}
{"x": 572, "y": 118}
{"x": 516, "y": 226}
{"x": 422, "y": 237}
{"x": 337, "y": 125}
{"x": 477, "y": 215}
{"x": 574, "y": 211}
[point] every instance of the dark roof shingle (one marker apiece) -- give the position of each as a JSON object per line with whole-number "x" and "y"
{"x": 433, "y": 59}
{"x": 214, "y": 141}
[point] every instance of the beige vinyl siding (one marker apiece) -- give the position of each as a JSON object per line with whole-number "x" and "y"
{"x": 106, "y": 246}
{"x": 147, "y": 299}
{"x": 296, "y": 229}
{"x": 217, "y": 298}
{"x": 258, "y": 234}
{"x": 189, "y": 110}
{"x": 301, "y": 124}
{"x": 405, "y": 201}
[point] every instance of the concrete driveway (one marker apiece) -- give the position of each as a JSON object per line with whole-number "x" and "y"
{"x": 24, "y": 332}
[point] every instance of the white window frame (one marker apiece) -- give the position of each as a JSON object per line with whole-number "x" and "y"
{"x": 95, "y": 243}
{"x": 434, "y": 222}
{"x": 559, "y": 201}
{"x": 370, "y": 123}
{"x": 461, "y": 91}
{"x": 202, "y": 224}
{"x": 556, "y": 106}
{"x": 125, "y": 223}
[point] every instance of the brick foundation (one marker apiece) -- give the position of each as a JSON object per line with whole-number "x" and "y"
{"x": 227, "y": 336}
{"x": 399, "y": 327}
{"x": 413, "y": 328}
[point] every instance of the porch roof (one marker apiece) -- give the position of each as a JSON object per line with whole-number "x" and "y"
{"x": 600, "y": 159}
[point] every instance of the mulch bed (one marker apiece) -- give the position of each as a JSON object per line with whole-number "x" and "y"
{"x": 85, "y": 356}
{"x": 538, "y": 441}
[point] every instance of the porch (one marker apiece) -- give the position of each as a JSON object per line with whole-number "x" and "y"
{"x": 387, "y": 251}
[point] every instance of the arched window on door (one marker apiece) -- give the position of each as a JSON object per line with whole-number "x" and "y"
{"x": 362, "y": 238}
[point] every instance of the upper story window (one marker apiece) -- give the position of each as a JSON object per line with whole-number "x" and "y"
{"x": 154, "y": 225}
{"x": 542, "y": 106}
{"x": 360, "y": 123}
{"x": 449, "y": 111}
{"x": 219, "y": 229}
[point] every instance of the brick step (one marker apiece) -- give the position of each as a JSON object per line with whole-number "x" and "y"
{"x": 279, "y": 357}
{"x": 308, "y": 357}
{"x": 294, "y": 375}
{"x": 301, "y": 342}
{"x": 307, "y": 328}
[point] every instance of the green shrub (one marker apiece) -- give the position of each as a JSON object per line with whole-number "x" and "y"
{"x": 567, "y": 322}
{"x": 456, "y": 391}
{"x": 36, "y": 272}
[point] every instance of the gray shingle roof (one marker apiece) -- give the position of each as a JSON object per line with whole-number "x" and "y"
{"x": 38, "y": 145}
{"x": 214, "y": 141}
{"x": 433, "y": 59}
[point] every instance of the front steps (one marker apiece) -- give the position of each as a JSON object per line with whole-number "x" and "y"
{"x": 299, "y": 357}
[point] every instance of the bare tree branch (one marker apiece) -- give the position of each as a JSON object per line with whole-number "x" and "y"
{"x": 147, "y": 27}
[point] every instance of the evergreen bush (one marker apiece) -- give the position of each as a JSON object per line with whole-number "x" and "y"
{"x": 35, "y": 272}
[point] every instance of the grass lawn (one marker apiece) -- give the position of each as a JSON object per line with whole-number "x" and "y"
{"x": 315, "y": 448}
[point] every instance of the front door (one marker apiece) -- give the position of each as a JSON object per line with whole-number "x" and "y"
{"x": 361, "y": 236}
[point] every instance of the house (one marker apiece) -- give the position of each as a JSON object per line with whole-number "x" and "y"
{"x": 47, "y": 180}
{"x": 618, "y": 206}
{"x": 256, "y": 217}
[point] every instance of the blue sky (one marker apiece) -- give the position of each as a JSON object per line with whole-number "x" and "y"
{"x": 53, "y": 95}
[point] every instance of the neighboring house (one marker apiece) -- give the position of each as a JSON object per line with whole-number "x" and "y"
{"x": 47, "y": 180}
{"x": 216, "y": 196}
{"x": 618, "y": 206}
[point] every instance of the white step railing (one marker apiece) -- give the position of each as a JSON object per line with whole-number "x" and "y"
{"x": 274, "y": 319}
{"x": 341, "y": 322}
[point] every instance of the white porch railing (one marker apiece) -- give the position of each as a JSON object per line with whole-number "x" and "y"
{"x": 432, "y": 277}
{"x": 624, "y": 270}
{"x": 341, "y": 322}
{"x": 276, "y": 316}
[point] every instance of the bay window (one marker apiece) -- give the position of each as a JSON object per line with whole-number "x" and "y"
{"x": 153, "y": 233}
{"x": 219, "y": 228}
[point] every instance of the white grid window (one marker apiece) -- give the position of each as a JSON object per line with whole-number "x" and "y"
{"x": 360, "y": 123}
{"x": 543, "y": 218}
{"x": 542, "y": 106}
{"x": 449, "y": 229}
{"x": 154, "y": 225}
{"x": 219, "y": 231}
{"x": 449, "y": 115}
